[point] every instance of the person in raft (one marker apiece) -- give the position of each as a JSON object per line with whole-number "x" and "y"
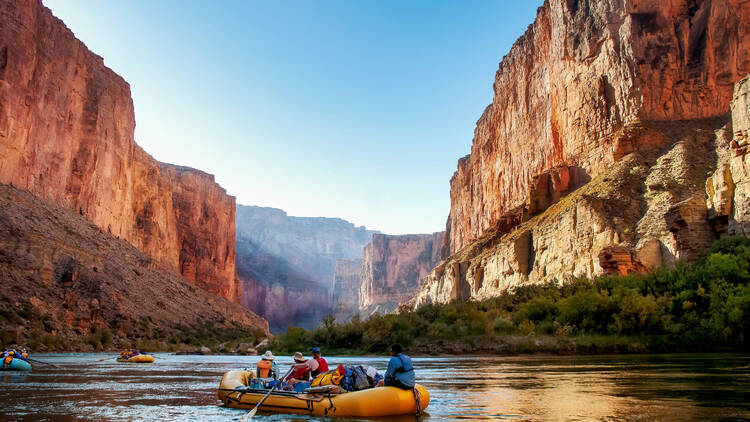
{"x": 266, "y": 367}
{"x": 301, "y": 369}
{"x": 322, "y": 364}
{"x": 400, "y": 372}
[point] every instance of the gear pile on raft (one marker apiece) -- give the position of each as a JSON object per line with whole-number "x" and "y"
{"x": 310, "y": 387}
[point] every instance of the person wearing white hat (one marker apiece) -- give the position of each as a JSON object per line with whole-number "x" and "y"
{"x": 266, "y": 367}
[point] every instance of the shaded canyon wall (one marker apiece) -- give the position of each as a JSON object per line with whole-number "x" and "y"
{"x": 286, "y": 263}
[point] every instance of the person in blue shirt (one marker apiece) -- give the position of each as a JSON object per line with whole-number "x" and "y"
{"x": 400, "y": 372}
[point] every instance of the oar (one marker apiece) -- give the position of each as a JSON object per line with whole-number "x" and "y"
{"x": 255, "y": 409}
{"x": 107, "y": 358}
{"x": 43, "y": 363}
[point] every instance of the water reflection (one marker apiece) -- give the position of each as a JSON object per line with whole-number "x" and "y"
{"x": 646, "y": 387}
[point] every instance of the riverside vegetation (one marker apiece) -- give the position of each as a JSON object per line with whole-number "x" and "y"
{"x": 702, "y": 306}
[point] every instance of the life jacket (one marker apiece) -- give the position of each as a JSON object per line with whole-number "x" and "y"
{"x": 406, "y": 365}
{"x": 7, "y": 360}
{"x": 264, "y": 368}
{"x": 332, "y": 377}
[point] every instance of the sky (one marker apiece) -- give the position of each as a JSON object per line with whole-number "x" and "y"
{"x": 354, "y": 109}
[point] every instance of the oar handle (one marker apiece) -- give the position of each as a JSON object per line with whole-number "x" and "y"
{"x": 251, "y": 413}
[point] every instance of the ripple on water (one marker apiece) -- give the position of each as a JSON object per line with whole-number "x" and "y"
{"x": 652, "y": 387}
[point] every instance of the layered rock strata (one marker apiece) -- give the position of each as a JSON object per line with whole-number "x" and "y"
{"x": 635, "y": 97}
{"x": 286, "y": 263}
{"x": 66, "y": 135}
{"x": 345, "y": 288}
{"x": 572, "y": 87}
{"x": 66, "y": 277}
{"x": 392, "y": 266}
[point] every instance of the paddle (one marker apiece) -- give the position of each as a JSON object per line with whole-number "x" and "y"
{"x": 43, "y": 363}
{"x": 255, "y": 409}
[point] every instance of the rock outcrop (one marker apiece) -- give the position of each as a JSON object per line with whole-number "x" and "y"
{"x": 65, "y": 278}
{"x": 66, "y": 135}
{"x": 392, "y": 266}
{"x": 573, "y": 87}
{"x": 345, "y": 288}
{"x": 286, "y": 264}
{"x": 608, "y": 118}
{"x": 728, "y": 188}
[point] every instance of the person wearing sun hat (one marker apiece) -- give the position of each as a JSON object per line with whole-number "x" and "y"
{"x": 301, "y": 369}
{"x": 266, "y": 367}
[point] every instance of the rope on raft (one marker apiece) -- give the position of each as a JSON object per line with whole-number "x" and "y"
{"x": 417, "y": 398}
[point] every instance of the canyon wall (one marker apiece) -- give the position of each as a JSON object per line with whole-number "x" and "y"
{"x": 392, "y": 266}
{"x": 286, "y": 263}
{"x": 345, "y": 288}
{"x": 609, "y": 128}
{"x": 66, "y": 135}
{"x": 574, "y": 86}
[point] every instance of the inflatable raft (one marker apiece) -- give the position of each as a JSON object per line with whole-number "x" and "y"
{"x": 137, "y": 359}
{"x": 373, "y": 402}
{"x": 17, "y": 365}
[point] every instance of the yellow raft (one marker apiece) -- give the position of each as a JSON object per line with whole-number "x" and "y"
{"x": 373, "y": 402}
{"x": 137, "y": 359}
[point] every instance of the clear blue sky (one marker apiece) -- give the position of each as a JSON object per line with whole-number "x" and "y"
{"x": 354, "y": 109}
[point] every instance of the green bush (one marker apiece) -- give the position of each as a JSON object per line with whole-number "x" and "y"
{"x": 700, "y": 306}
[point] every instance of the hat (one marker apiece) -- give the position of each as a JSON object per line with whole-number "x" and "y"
{"x": 371, "y": 372}
{"x": 268, "y": 355}
{"x": 316, "y": 349}
{"x": 298, "y": 357}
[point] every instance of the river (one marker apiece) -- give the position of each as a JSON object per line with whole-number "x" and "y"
{"x": 536, "y": 388}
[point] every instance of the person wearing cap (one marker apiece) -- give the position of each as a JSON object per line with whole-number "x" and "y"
{"x": 322, "y": 364}
{"x": 301, "y": 369}
{"x": 266, "y": 367}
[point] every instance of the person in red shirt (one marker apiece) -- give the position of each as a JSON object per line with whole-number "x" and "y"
{"x": 322, "y": 364}
{"x": 301, "y": 369}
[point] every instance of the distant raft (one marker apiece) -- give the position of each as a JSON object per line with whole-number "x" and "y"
{"x": 372, "y": 402}
{"x": 17, "y": 365}
{"x": 137, "y": 359}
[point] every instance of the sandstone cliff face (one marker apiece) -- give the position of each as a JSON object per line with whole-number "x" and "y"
{"x": 345, "y": 288}
{"x": 286, "y": 264}
{"x": 593, "y": 158}
{"x": 392, "y": 267}
{"x": 72, "y": 278}
{"x": 66, "y": 135}
{"x": 571, "y": 90}
{"x": 728, "y": 189}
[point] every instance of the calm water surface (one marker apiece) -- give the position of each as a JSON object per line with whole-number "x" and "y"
{"x": 612, "y": 388}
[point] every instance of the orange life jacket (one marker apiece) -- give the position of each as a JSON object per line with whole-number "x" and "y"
{"x": 264, "y": 368}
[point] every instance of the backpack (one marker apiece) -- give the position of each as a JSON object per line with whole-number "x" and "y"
{"x": 361, "y": 381}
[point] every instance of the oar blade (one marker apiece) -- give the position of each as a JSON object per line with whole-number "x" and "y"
{"x": 250, "y": 414}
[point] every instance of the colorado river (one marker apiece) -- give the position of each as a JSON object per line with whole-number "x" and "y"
{"x": 548, "y": 388}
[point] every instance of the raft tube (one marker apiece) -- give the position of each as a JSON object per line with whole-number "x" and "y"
{"x": 137, "y": 359}
{"x": 373, "y": 402}
{"x": 17, "y": 365}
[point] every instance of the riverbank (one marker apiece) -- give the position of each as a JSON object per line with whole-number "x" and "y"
{"x": 698, "y": 307}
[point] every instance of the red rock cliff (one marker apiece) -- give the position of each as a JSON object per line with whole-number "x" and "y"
{"x": 66, "y": 135}
{"x": 610, "y": 128}
{"x": 392, "y": 267}
{"x": 572, "y": 86}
